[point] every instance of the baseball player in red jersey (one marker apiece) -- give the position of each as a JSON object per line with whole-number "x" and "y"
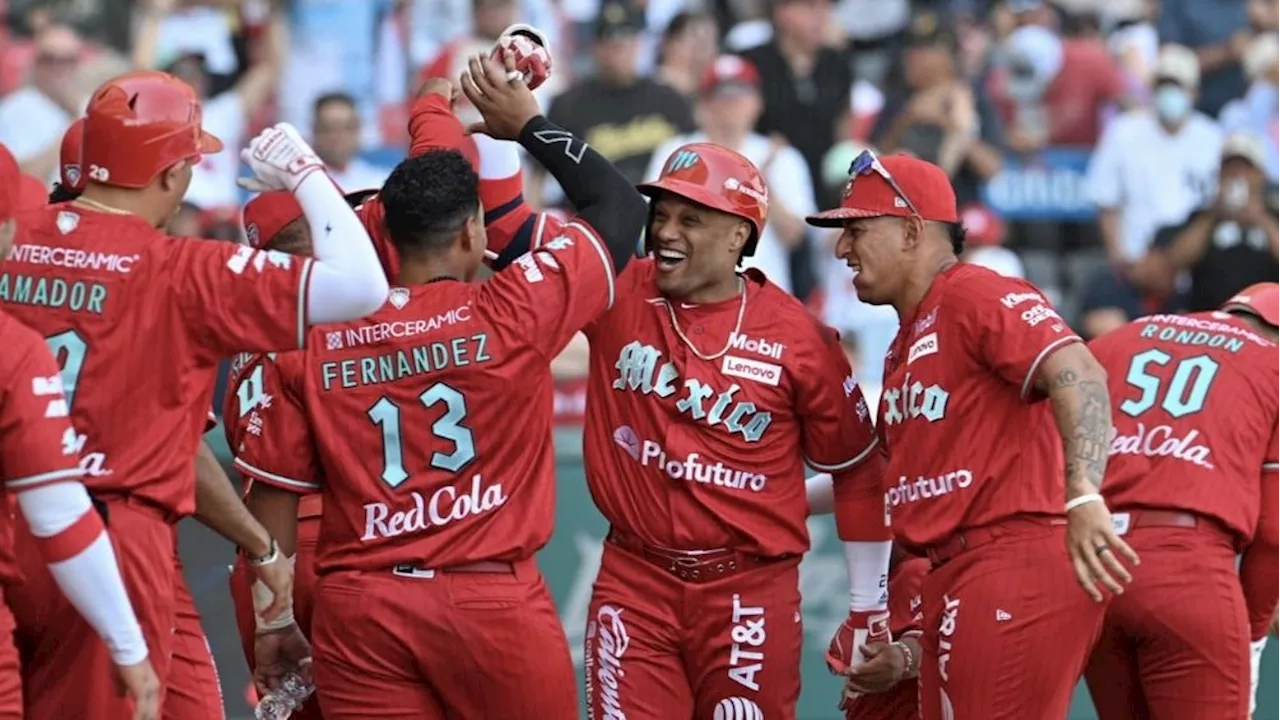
{"x": 272, "y": 221}
{"x": 985, "y": 386}
{"x": 138, "y": 322}
{"x": 667, "y": 456}
{"x": 194, "y": 690}
{"x": 40, "y": 468}
{"x": 1191, "y": 482}
{"x": 431, "y": 514}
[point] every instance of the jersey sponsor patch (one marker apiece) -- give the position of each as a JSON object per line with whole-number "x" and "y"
{"x": 760, "y": 372}
{"x": 924, "y": 347}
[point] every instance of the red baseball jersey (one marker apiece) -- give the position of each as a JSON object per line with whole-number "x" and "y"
{"x": 248, "y": 390}
{"x": 37, "y": 444}
{"x": 428, "y": 425}
{"x": 138, "y": 321}
{"x": 970, "y": 440}
{"x": 1195, "y": 411}
{"x": 698, "y": 426}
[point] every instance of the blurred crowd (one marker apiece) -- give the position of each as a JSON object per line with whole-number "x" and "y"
{"x": 1121, "y": 154}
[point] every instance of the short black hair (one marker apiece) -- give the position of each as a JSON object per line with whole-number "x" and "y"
{"x": 331, "y": 98}
{"x": 957, "y": 233}
{"x": 427, "y": 200}
{"x": 62, "y": 193}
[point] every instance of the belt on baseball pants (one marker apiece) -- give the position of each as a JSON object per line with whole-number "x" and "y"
{"x": 102, "y": 502}
{"x": 1126, "y": 520}
{"x": 699, "y": 566}
{"x": 483, "y": 566}
{"x": 963, "y": 540}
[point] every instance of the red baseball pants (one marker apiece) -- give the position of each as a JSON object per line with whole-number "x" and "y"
{"x": 67, "y": 671}
{"x": 304, "y": 581}
{"x": 1007, "y": 629}
{"x": 10, "y": 669}
{"x": 195, "y": 692}
{"x": 659, "y": 648}
{"x": 1176, "y": 643}
{"x": 431, "y": 645}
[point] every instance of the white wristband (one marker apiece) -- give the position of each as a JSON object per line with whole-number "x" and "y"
{"x": 1074, "y": 503}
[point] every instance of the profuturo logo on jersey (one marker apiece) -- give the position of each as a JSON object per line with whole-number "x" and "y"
{"x": 927, "y": 488}
{"x": 737, "y": 708}
{"x": 611, "y": 640}
{"x": 691, "y": 467}
{"x": 445, "y": 506}
{"x": 1160, "y": 441}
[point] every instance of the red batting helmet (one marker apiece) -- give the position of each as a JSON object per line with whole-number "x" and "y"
{"x": 69, "y": 169}
{"x": 719, "y": 178}
{"x": 139, "y": 124}
{"x": 1262, "y": 300}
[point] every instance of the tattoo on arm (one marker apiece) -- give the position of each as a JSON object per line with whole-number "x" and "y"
{"x": 1082, "y": 408}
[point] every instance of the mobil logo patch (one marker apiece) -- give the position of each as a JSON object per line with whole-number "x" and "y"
{"x": 761, "y": 372}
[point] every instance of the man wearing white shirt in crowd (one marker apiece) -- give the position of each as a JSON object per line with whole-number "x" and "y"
{"x": 728, "y": 106}
{"x": 1154, "y": 166}
{"x": 33, "y": 117}
{"x": 335, "y": 133}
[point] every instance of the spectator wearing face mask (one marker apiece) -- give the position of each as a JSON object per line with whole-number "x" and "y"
{"x": 1232, "y": 243}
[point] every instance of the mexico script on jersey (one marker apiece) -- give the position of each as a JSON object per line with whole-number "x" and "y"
{"x": 689, "y": 452}
{"x": 427, "y": 426}
{"x": 970, "y": 441}
{"x": 37, "y": 444}
{"x": 1195, "y": 405}
{"x": 138, "y": 322}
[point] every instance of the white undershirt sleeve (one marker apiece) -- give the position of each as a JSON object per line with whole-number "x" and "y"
{"x": 868, "y": 574}
{"x": 347, "y": 280}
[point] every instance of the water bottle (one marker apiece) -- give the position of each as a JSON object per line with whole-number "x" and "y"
{"x": 279, "y": 705}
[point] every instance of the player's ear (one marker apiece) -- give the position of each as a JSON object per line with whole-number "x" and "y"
{"x": 472, "y": 230}
{"x": 741, "y": 232}
{"x": 914, "y": 232}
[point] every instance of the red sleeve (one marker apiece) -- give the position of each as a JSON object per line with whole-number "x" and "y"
{"x": 37, "y": 443}
{"x": 905, "y": 613}
{"x": 1260, "y": 566}
{"x": 432, "y": 125}
{"x": 1010, "y": 326}
{"x": 275, "y": 446}
{"x": 233, "y": 298}
{"x": 551, "y": 293}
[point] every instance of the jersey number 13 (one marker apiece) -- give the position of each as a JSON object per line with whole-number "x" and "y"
{"x": 386, "y": 415}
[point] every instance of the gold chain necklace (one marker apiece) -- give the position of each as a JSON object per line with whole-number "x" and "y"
{"x": 737, "y": 327}
{"x": 94, "y": 204}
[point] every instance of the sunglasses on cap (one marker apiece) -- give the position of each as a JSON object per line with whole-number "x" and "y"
{"x": 866, "y": 164}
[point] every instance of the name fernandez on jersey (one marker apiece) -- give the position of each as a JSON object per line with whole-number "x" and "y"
{"x": 402, "y": 363}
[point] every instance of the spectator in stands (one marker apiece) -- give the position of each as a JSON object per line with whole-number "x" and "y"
{"x": 624, "y": 116}
{"x": 33, "y": 118}
{"x": 984, "y": 242}
{"x": 1054, "y": 92}
{"x": 728, "y": 107}
{"x": 229, "y": 113}
{"x": 938, "y": 116}
{"x": 1218, "y": 32}
{"x": 1258, "y": 110}
{"x": 1134, "y": 42}
{"x": 874, "y": 29}
{"x": 1152, "y": 169}
{"x": 688, "y": 47}
{"x": 335, "y": 132}
{"x": 1235, "y": 241}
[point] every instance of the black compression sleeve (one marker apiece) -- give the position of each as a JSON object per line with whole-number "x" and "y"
{"x": 602, "y": 195}
{"x": 518, "y": 246}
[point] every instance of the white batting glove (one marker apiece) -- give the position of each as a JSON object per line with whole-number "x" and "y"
{"x": 280, "y": 159}
{"x": 527, "y": 47}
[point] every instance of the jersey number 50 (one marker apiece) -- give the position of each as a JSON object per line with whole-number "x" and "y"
{"x": 1186, "y": 392}
{"x": 386, "y": 415}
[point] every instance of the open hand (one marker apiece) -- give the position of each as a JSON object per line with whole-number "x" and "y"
{"x": 1093, "y": 545}
{"x": 504, "y": 101}
{"x": 139, "y": 682}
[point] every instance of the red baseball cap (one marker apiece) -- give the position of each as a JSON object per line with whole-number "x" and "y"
{"x": 898, "y": 185}
{"x": 730, "y": 72}
{"x": 267, "y": 214}
{"x": 982, "y": 226}
{"x": 69, "y": 172}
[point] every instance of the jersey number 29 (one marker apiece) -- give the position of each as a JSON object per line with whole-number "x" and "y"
{"x": 1185, "y": 393}
{"x": 386, "y": 415}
